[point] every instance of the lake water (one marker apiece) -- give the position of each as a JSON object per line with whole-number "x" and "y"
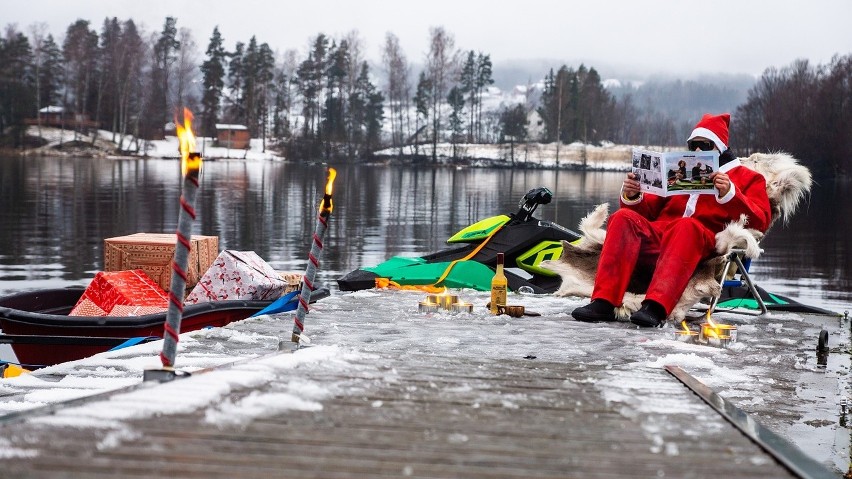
{"x": 56, "y": 212}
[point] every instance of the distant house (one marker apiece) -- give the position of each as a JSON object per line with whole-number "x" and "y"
{"x": 51, "y": 114}
{"x": 232, "y": 136}
{"x": 58, "y": 117}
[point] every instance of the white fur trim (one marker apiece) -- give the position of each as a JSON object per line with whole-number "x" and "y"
{"x": 701, "y": 131}
{"x": 728, "y": 197}
{"x": 730, "y": 165}
{"x": 733, "y": 191}
{"x": 690, "y": 205}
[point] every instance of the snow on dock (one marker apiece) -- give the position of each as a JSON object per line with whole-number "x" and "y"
{"x": 387, "y": 391}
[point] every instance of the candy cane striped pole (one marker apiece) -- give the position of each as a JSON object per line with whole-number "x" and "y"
{"x": 313, "y": 259}
{"x": 179, "y": 266}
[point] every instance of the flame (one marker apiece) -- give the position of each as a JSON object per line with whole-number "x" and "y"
{"x": 187, "y": 144}
{"x": 711, "y": 332}
{"x": 326, "y": 205}
{"x": 684, "y": 326}
{"x": 332, "y": 174}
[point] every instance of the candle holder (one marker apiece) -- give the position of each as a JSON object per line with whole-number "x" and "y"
{"x": 428, "y": 306}
{"x": 444, "y": 302}
{"x": 719, "y": 335}
{"x": 461, "y": 307}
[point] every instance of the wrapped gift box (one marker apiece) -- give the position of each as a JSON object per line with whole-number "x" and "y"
{"x": 121, "y": 293}
{"x": 237, "y": 275}
{"x": 153, "y": 254}
{"x": 293, "y": 280}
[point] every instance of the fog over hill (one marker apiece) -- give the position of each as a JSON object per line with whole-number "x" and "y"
{"x": 683, "y": 98}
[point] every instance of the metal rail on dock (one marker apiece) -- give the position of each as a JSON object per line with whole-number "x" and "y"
{"x": 787, "y": 454}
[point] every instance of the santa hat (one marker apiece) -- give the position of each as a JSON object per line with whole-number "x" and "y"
{"x": 714, "y": 128}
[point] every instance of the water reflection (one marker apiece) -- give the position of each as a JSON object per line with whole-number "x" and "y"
{"x": 56, "y": 212}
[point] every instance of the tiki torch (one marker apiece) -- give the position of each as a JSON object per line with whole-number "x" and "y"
{"x": 325, "y": 208}
{"x": 190, "y": 169}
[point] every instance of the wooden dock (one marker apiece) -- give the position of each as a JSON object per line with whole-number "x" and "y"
{"x": 409, "y": 415}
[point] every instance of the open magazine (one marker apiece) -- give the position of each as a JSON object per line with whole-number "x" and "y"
{"x": 675, "y": 172}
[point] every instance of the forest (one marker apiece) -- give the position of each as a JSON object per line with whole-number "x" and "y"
{"x": 329, "y": 102}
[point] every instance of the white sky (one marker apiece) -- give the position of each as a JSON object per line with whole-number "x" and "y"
{"x": 651, "y": 36}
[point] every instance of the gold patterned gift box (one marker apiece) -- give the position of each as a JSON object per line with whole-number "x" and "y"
{"x": 153, "y": 254}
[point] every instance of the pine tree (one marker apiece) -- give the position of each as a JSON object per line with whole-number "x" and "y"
{"x": 109, "y": 59}
{"x": 80, "y": 53}
{"x": 213, "y": 71}
{"x": 164, "y": 55}
{"x": 337, "y": 86}
{"x": 484, "y": 78}
{"x": 264, "y": 84}
{"x": 456, "y": 101}
{"x": 422, "y": 100}
{"x": 235, "y": 106}
{"x": 17, "y": 85}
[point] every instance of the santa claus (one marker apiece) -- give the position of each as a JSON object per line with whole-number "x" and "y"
{"x": 672, "y": 235}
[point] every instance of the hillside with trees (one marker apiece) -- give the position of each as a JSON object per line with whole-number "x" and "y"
{"x": 328, "y": 102}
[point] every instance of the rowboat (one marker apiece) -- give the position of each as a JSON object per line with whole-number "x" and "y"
{"x": 37, "y": 326}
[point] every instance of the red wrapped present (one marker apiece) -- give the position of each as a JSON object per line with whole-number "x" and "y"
{"x": 117, "y": 293}
{"x": 237, "y": 275}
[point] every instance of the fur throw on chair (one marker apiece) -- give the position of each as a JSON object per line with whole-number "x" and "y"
{"x": 787, "y": 184}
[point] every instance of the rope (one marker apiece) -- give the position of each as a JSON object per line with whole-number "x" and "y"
{"x": 470, "y": 255}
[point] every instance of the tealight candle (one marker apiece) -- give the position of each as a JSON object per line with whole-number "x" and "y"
{"x": 719, "y": 335}
{"x": 461, "y": 307}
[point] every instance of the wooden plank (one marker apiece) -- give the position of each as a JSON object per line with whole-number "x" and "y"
{"x": 436, "y": 417}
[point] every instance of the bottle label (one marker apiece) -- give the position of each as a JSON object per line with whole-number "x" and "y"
{"x": 498, "y": 297}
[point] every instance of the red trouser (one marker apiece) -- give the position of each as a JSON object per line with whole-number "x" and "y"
{"x": 674, "y": 248}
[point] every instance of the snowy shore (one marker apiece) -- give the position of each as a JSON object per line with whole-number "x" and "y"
{"x": 605, "y": 157}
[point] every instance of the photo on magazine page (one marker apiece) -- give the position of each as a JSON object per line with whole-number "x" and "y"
{"x": 675, "y": 172}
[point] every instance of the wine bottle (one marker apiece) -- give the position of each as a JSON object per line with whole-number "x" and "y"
{"x": 499, "y": 285}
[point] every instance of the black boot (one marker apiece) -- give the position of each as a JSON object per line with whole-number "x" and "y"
{"x": 596, "y": 311}
{"x": 650, "y": 315}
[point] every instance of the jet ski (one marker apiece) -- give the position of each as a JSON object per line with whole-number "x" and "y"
{"x": 525, "y": 241}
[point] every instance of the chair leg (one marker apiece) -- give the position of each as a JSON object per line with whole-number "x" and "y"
{"x": 715, "y": 301}
{"x": 735, "y": 258}
{"x": 750, "y": 284}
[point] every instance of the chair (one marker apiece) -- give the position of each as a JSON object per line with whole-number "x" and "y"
{"x": 737, "y": 257}
{"x": 787, "y": 184}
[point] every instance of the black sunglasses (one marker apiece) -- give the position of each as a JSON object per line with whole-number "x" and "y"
{"x": 704, "y": 145}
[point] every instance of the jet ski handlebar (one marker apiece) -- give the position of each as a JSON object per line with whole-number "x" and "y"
{"x": 530, "y": 201}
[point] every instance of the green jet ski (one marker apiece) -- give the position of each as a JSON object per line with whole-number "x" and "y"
{"x": 526, "y": 242}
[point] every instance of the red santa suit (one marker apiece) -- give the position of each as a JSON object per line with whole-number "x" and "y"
{"x": 674, "y": 234}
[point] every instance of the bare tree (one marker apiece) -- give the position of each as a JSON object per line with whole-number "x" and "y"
{"x": 129, "y": 81}
{"x": 398, "y": 88}
{"x": 38, "y": 36}
{"x": 186, "y": 72}
{"x": 441, "y": 68}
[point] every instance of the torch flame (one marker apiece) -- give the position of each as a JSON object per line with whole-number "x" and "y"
{"x": 326, "y": 205}
{"x": 187, "y": 144}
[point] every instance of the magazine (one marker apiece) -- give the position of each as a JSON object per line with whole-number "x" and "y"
{"x": 675, "y": 172}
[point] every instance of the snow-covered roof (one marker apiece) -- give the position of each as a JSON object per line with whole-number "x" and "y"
{"x": 52, "y": 109}
{"x": 225, "y": 126}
